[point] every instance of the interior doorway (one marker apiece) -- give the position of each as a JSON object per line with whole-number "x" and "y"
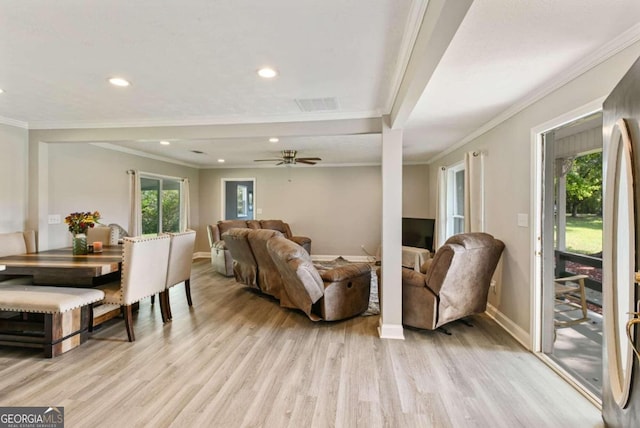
{"x": 571, "y": 237}
{"x": 238, "y": 198}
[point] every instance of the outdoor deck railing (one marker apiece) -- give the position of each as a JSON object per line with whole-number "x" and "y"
{"x": 568, "y": 264}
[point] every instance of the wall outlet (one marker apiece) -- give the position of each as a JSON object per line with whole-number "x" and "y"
{"x": 54, "y": 219}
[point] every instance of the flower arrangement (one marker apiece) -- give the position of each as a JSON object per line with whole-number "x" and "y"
{"x": 80, "y": 222}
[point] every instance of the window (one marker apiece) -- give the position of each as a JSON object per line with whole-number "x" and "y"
{"x": 161, "y": 204}
{"x": 243, "y": 203}
{"x": 455, "y": 200}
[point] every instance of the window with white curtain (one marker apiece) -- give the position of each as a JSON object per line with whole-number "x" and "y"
{"x": 161, "y": 204}
{"x": 455, "y": 200}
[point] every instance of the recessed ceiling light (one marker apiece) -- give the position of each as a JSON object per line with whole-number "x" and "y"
{"x": 119, "y": 81}
{"x": 267, "y": 72}
{"x": 274, "y": 140}
{"x": 165, "y": 143}
{"x": 220, "y": 160}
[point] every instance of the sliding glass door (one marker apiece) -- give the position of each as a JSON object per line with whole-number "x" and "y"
{"x": 161, "y": 204}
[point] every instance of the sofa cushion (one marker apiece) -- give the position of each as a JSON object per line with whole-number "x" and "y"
{"x": 245, "y": 267}
{"x": 301, "y": 280}
{"x": 42, "y": 299}
{"x": 278, "y": 225}
{"x": 226, "y": 225}
{"x": 269, "y": 277}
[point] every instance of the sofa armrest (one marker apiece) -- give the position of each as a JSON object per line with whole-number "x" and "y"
{"x": 411, "y": 278}
{"x": 343, "y": 273}
{"x": 301, "y": 240}
{"x": 219, "y": 246}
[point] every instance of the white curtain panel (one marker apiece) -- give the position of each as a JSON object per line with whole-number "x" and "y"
{"x": 135, "y": 198}
{"x": 474, "y": 192}
{"x": 185, "y": 215}
{"x": 441, "y": 208}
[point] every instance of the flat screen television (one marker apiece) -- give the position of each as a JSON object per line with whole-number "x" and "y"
{"x": 418, "y": 232}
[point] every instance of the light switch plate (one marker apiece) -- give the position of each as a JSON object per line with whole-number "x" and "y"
{"x": 54, "y": 219}
{"x": 259, "y": 211}
{"x": 523, "y": 220}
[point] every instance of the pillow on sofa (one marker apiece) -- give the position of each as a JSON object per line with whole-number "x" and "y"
{"x": 226, "y": 225}
{"x": 278, "y": 225}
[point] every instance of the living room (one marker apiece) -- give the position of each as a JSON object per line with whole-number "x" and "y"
{"x": 57, "y": 170}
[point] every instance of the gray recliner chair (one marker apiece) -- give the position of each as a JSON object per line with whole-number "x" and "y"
{"x": 455, "y": 284}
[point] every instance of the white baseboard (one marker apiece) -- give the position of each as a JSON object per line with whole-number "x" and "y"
{"x": 328, "y": 258}
{"x": 510, "y": 327}
{"x": 390, "y": 331}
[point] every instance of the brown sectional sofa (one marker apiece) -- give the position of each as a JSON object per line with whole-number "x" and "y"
{"x": 277, "y": 266}
{"x": 220, "y": 257}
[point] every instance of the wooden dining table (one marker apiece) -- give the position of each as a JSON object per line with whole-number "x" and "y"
{"x": 61, "y": 267}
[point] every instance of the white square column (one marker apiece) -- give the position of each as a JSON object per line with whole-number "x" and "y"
{"x": 391, "y": 280}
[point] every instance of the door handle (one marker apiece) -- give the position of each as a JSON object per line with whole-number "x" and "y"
{"x": 630, "y": 327}
{"x": 637, "y": 275}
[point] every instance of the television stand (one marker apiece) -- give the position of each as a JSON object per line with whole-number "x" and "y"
{"x": 413, "y": 257}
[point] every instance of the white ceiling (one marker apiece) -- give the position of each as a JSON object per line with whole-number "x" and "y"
{"x": 194, "y": 62}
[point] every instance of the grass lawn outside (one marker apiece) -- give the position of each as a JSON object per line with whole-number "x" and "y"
{"x": 584, "y": 234}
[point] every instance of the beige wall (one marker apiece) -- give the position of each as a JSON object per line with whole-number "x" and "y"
{"x": 508, "y": 177}
{"x": 415, "y": 191}
{"x": 338, "y": 208}
{"x": 13, "y": 178}
{"x": 83, "y": 177}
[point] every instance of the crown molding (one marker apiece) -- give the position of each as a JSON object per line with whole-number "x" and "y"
{"x": 204, "y": 121}
{"x": 412, "y": 29}
{"x": 596, "y": 58}
{"x": 14, "y": 122}
{"x": 127, "y": 150}
{"x": 134, "y": 152}
{"x": 297, "y": 166}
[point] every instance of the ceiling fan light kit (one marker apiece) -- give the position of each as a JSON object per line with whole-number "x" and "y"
{"x": 289, "y": 158}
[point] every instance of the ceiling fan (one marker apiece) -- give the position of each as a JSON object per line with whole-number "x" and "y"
{"x": 289, "y": 158}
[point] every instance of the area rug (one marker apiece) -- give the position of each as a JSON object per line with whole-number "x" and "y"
{"x": 374, "y": 303}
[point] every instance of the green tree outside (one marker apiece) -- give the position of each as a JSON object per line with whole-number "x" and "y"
{"x": 584, "y": 185}
{"x": 151, "y": 211}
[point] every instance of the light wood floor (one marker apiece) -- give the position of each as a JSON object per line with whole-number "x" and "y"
{"x": 239, "y": 360}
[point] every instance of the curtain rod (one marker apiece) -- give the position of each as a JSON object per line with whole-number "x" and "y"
{"x": 150, "y": 174}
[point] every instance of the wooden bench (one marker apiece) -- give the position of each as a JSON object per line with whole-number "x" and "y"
{"x": 56, "y": 319}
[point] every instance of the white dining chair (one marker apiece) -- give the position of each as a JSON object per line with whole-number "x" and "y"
{"x": 179, "y": 269}
{"x": 104, "y": 234}
{"x": 144, "y": 273}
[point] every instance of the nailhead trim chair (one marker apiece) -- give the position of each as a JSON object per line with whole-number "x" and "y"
{"x": 145, "y": 261}
{"x": 179, "y": 270}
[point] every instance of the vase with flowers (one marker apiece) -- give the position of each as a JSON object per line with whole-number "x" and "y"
{"x": 78, "y": 224}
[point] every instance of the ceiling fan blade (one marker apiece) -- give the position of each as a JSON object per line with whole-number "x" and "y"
{"x": 304, "y": 160}
{"x": 309, "y": 159}
{"x": 280, "y": 163}
{"x": 268, "y": 160}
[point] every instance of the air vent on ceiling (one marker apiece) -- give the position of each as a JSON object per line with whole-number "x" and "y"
{"x": 317, "y": 104}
